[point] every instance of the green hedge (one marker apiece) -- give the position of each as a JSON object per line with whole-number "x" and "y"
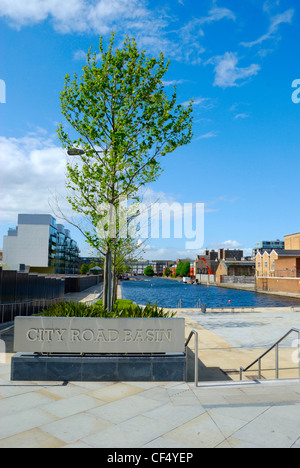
{"x": 122, "y": 308}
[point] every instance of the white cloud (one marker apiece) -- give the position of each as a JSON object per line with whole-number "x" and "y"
{"x": 154, "y": 28}
{"x": 276, "y": 21}
{"x": 191, "y": 33}
{"x": 169, "y": 253}
{"x": 228, "y": 244}
{"x": 63, "y": 14}
{"x": 173, "y": 82}
{"x": 71, "y": 15}
{"x": 203, "y": 103}
{"x": 217, "y": 14}
{"x": 228, "y": 73}
{"x": 32, "y": 167}
{"x": 80, "y": 55}
{"x": 268, "y": 5}
{"x": 241, "y": 116}
{"x": 207, "y": 136}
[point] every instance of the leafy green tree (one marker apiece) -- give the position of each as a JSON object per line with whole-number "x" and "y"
{"x": 178, "y": 271}
{"x": 149, "y": 271}
{"x": 84, "y": 269}
{"x": 186, "y": 269}
{"x": 120, "y": 116}
{"x": 168, "y": 272}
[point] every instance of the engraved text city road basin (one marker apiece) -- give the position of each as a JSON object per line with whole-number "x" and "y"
{"x": 99, "y": 335}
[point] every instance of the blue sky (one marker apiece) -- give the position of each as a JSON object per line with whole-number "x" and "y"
{"x": 236, "y": 59}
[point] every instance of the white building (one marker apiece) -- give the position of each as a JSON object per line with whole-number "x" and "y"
{"x": 34, "y": 243}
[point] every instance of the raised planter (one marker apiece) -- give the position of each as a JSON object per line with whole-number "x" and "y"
{"x": 99, "y": 349}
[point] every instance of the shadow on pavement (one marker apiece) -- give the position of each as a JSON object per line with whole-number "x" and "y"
{"x": 206, "y": 374}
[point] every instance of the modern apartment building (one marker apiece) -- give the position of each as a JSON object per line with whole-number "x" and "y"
{"x": 267, "y": 246}
{"x": 67, "y": 252}
{"x": 41, "y": 244}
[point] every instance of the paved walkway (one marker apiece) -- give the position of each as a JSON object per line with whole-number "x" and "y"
{"x": 157, "y": 415}
{"x": 89, "y": 295}
{"x": 152, "y": 414}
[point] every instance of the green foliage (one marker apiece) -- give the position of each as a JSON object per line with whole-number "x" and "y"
{"x": 149, "y": 271}
{"x": 121, "y": 309}
{"x": 120, "y": 116}
{"x": 124, "y": 122}
{"x": 179, "y": 269}
{"x": 119, "y": 303}
{"x": 70, "y": 309}
{"x": 84, "y": 269}
{"x": 186, "y": 269}
{"x": 168, "y": 272}
{"x": 183, "y": 269}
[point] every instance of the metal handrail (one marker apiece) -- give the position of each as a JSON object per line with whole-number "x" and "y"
{"x": 276, "y": 347}
{"x": 30, "y": 302}
{"x": 17, "y": 305}
{"x": 4, "y": 330}
{"x": 193, "y": 332}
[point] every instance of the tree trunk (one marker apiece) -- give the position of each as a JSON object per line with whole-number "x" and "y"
{"x": 105, "y": 278}
{"x": 115, "y": 280}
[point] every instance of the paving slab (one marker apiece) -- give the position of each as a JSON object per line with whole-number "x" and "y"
{"x": 160, "y": 415}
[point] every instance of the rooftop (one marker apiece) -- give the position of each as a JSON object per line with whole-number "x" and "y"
{"x": 239, "y": 262}
{"x": 37, "y": 219}
{"x": 295, "y": 234}
{"x": 288, "y": 253}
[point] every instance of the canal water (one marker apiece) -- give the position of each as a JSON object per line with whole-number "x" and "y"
{"x": 168, "y": 293}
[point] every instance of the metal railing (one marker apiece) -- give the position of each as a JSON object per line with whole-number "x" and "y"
{"x": 194, "y": 333}
{"x": 98, "y": 296}
{"x": 4, "y": 330}
{"x": 9, "y": 311}
{"x": 276, "y": 347}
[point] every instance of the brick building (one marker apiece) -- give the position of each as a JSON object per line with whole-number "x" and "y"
{"x": 279, "y": 271}
{"x": 235, "y": 268}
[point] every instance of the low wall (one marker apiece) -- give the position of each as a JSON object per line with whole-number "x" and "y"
{"x": 18, "y": 287}
{"x": 238, "y": 279}
{"x": 284, "y": 285}
{"x": 27, "y": 294}
{"x": 205, "y": 279}
{"x": 80, "y": 283}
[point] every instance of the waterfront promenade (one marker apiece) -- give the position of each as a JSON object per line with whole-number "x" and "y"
{"x": 233, "y": 338}
{"x": 218, "y": 414}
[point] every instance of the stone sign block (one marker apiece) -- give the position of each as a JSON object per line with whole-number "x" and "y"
{"x": 99, "y": 335}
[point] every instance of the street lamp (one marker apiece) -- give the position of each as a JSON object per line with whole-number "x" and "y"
{"x": 75, "y": 152}
{"x": 80, "y": 152}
